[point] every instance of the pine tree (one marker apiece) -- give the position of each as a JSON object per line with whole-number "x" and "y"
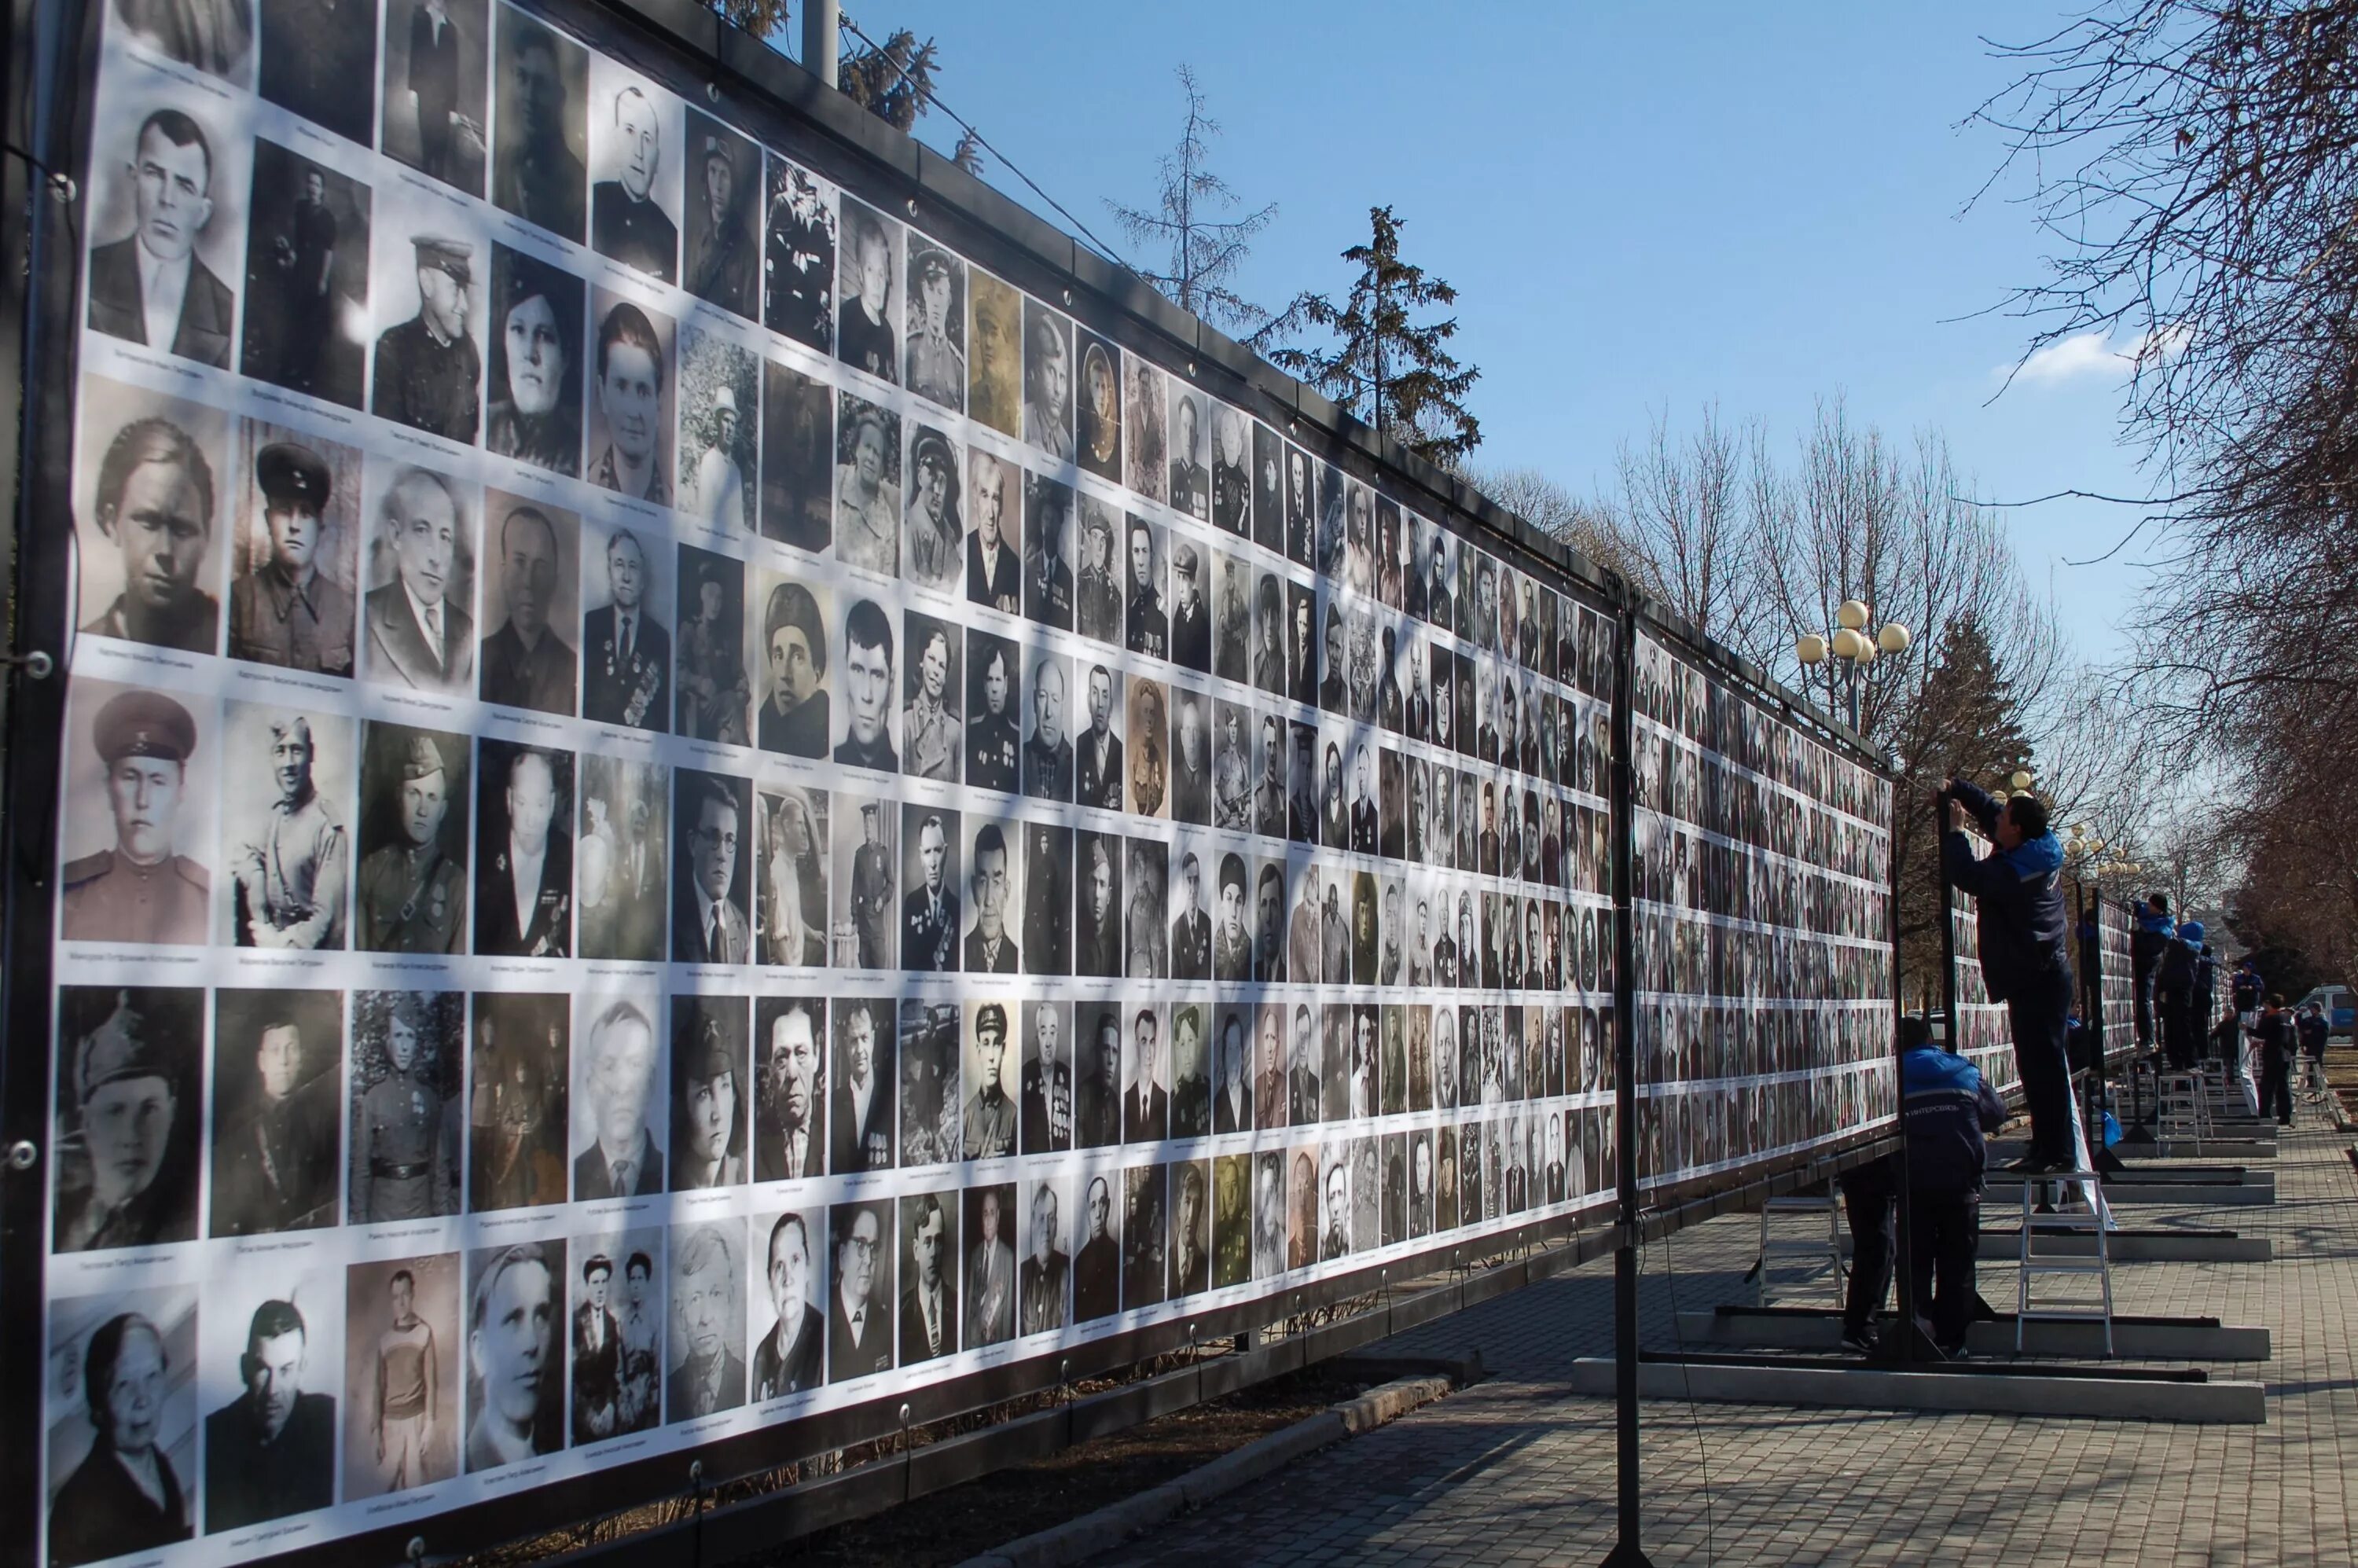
{"x": 1969, "y": 723}
{"x": 1383, "y": 370}
{"x": 894, "y": 81}
{"x": 1204, "y": 249}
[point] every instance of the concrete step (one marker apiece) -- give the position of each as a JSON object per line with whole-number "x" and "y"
{"x": 2047, "y": 1392}
{"x": 2137, "y": 1246}
{"x": 2135, "y": 1338}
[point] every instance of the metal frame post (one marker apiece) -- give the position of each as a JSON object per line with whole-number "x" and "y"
{"x": 1627, "y": 1551}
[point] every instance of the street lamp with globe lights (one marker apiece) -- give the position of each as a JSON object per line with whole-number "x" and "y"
{"x": 1852, "y": 645}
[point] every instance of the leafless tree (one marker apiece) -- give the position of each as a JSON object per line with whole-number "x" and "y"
{"x": 1690, "y": 508}
{"x": 1583, "y": 527}
{"x": 1206, "y": 247}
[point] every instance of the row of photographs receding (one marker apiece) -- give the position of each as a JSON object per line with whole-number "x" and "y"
{"x": 612, "y": 859}
{"x": 1697, "y": 1127}
{"x": 447, "y": 1361}
{"x": 1685, "y": 957}
{"x": 1677, "y": 778}
{"x": 1710, "y": 713}
{"x": 1691, "y": 869}
{"x": 305, "y": 1135}
{"x": 763, "y": 445}
{"x": 1685, "y": 1040}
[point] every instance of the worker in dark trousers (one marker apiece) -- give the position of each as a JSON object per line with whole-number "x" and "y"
{"x": 2278, "y": 1037}
{"x": 1868, "y": 1192}
{"x": 2206, "y": 981}
{"x": 1947, "y": 1108}
{"x": 2154, "y": 930}
{"x": 2173, "y": 985}
{"x": 2017, "y": 895}
{"x": 2312, "y": 1029}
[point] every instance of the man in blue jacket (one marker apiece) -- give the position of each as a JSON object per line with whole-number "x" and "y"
{"x": 2018, "y": 892}
{"x": 2153, "y": 934}
{"x": 1946, "y": 1106}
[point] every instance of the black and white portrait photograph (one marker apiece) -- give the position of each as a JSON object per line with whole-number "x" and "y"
{"x": 863, "y": 1116}
{"x": 790, "y": 1088}
{"x": 711, "y": 871}
{"x": 1048, "y": 549}
{"x": 319, "y": 62}
{"x": 122, "y": 1453}
{"x": 294, "y": 557}
{"x": 718, "y": 430}
{"x": 617, "y": 1144}
{"x": 867, "y": 735}
{"x": 530, "y": 594}
{"x": 1189, "y": 606}
{"x": 1145, "y": 420}
{"x": 712, "y": 688}
{"x": 1046, "y": 1050}
{"x": 413, "y": 847}
{"x": 630, "y": 426}
{"x": 1099, "y": 406}
{"x": 1097, "y": 775}
{"x": 989, "y": 1113}
{"x": 1097, "y": 911}
{"x": 134, "y": 860}
{"x": 791, "y": 680}
{"x": 1189, "y": 1252}
{"x": 1269, "y": 451}
{"x": 1144, "y": 1241}
{"x": 1048, "y": 376}
{"x": 1301, "y": 665}
{"x": 1044, "y": 1279}
{"x": 1146, "y": 594}
{"x": 867, "y": 471}
{"x": 515, "y": 1353}
{"x": 519, "y": 1079}
{"x": 722, "y": 261}
{"x": 790, "y": 1253}
{"x": 987, "y": 1277}
{"x": 130, "y": 1094}
{"x": 994, "y": 700}
{"x": 1232, "y": 1218}
{"x": 635, "y": 162}
{"x": 402, "y": 1343}
{"x": 286, "y": 841}
{"x": 155, "y": 501}
{"x": 167, "y": 205}
{"x": 1146, "y": 1076}
{"x": 1097, "y": 1247}
{"x": 798, "y": 239}
{"x": 538, "y": 169}
{"x": 1232, "y": 483}
{"x": 935, "y": 555}
{"x": 797, "y": 426}
{"x": 992, "y": 558}
{"x": 407, "y": 1063}
{"x": 533, "y": 388}
{"x": 215, "y": 36}
{"x": 437, "y": 53}
{"x": 268, "y": 1382}
{"x": 929, "y": 1275}
{"x": 994, "y": 381}
{"x": 1301, "y": 505}
{"x": 930, "y": 1095}
{"x": 930, "y": 882}
{"x": 866, "y": 884}
{"x": 791, "y": 831}
{"x": 1148, "y": 724}
{"x": 418, "y": 574}
{"x": 1245, "y": 621}
{"x": 1191, "y": 1071}
{"x": 1191, "y": 757}
{"x": 869, "y": 255}
{"x": 428, "y": 281}
{"x": 307, "y": 276}
{"x": 865, "y": 1247}
{"x": 1097, "y": 1030}
{"x": 933, "y": 331}
{"x": 524, "y": 851}
{"x": 711, "y": 1076}
{"x": 615, "y": 1326}
{"x": 1099, "y": 599}
{"x": 994, "y": 908}
{"x": 624, "y": 828}
{"x": 1190, "y": 441}
{"x": 626, "y": 583}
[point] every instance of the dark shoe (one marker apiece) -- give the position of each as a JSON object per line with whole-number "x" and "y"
{"x": 1860, "y": 1341}
{"x": 2025, "y": 1164}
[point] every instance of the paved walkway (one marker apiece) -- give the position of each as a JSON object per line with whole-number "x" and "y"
{"x": 1517, "y": 1470}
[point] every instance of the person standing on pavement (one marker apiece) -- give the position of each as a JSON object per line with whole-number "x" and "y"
{"x": 2276, "y": 1036}
{"x": 2312, "y": 1027}
{"x": 2018, "y": 892}
{"x": 1946, "y": 1106}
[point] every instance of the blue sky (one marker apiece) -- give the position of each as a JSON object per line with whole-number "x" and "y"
{"x": 1642, "y": 208}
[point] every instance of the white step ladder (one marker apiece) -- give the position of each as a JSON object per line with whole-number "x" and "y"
{"x": 1796, "y": 1248}
{"x": 2089, "y": 1222}
{"x": 2184, "y": 1110}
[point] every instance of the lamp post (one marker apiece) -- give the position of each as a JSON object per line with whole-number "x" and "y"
{"x": 1852, "y": 645}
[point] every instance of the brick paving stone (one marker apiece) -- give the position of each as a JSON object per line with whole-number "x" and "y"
{"x": 1517, "y": 1469}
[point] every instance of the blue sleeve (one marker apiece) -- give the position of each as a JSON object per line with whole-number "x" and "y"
{"x": 1968, "y": 872}
{"x": 1992, "y": 1108}
{"x": 1983, "y": 806}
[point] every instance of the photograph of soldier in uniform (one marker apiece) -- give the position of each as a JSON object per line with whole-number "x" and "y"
{"x": 401, "y": 1344}
{"x": 1098, "y": 760}
{"x": 790, "y": 1083}
{"x": 789, "y": 1357}
{"x": 931, "y": 696}
{"x": 718, "y": 382}
{"x": 515, "y": 1353}
{"x": 1268, "y": 502}
{"x": 989, "y": 1116}
{"x": 284, "y": 843}
{"x": 1191, "y": 481}
{"x": 863, "y": 1116}
{"x": 270, "y": 1446}
{"x": 1048, "y": 1078}
{"x": 1048, "y": 595}
{"x": 723, "y": 217}
{"x": 1098, "y": 609}
{"x": 291, "y": 600}
{"x": 868, "y": 264}
{"x": 929, "y": 1306}
{"x": 517, "y": 1115}
{"x": 123, "y": 1443}
{"x": 798, "y": 256}
{"x": 995, "y": 369}
{"x": 1048, "y": 365}
{"x": 1097, "y": 1263}
{"x": 132, "y": 803}
{"x": 278, "y": 1128}
{"x": 1245, "y": 799}
{"x": 1144, "y": 1241}
{"x": 714, "y": 693}
{"x": 866, "y": 881}
{"x": 307, "y": 276}
{"x": 620, "y": 857}
{"x": 1191, "y": 927}
{"x": 625, "y": 648}
{"x": 1044, "y": 1281}
{"x": 1190, "y": 622}
{"x": 413, "y": 849}
{"x": 798, "y": 430}
{"x": 1242, "y": 654}
{"x": 420, "y": 573}
{"x": 1302, "y": 663}
{"x": 1191, "y": 1073}
{"x": 1147, "y": 612}
{"x": 537, "y": 172}
{"x": 935, "y": 336}
{"x": 791, "y": 844}
{"x": 1301, "y": 507}
{"x": 859, "y": 1308}
{"x": 531, "y": 568}
{"x": 868, "y": 486}
{"x": 429, "y": 370}
{"x": 149, "y": 573}
{"x": 636, "y": 189}
{"x": 994, "y": 745}
{"x": 1096, "y": 1089}
{"x": 1189, "y": 1251}
{"x": 1146, "y": 947}
{"x": 1232, "y": 483}
{"x": 935, "y": 556}
{"x": 630, "y": 417}
{"x": 711, "y": 879}
{"x": 615, "y": 1094}
{"x": 930, "y": 1107}
{"x": 405, "y": 1105}
{"x": 1097, "y": 907}
{"x": 1144, "y": 423}
{"x": 708, "y": 1079}
{"x": 320, "y": 62}
{"x": 167, "y": 193}
{"x": 988, "y": 1305}
{"x": 128, "y": 1101}
{"x": 1100, "y": 407}
{"x": 1150, "y": 767}
{"x": 524, "y": 892}
{"x": 535, "y": 363}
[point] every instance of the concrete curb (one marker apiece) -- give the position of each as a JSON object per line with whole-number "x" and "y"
{"x": 1078, "y": 1540}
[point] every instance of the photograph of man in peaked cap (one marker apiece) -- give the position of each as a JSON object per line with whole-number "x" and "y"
{"x": 128, "y": 1103}
{"x": 151, "y": 286}
{"x": 413, "y": 881}
{"x": 935, "y": 340}
{"x": 141, "y": 889}
{"x": 288, "y": 611}
{"x": 429, "y": 374}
